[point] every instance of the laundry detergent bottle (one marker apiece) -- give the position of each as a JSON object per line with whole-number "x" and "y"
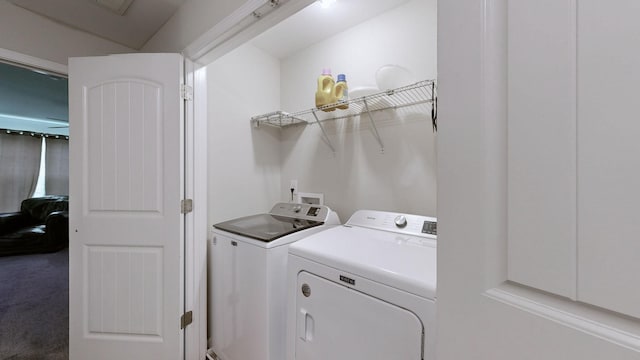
{"x": 341, "y": 92}
{"x": 325, "y": 92}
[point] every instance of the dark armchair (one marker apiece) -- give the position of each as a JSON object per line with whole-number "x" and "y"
{"x": 41, "y": 225}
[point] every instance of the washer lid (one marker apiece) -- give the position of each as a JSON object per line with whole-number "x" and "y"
{"x": 266, "y": 227}
{"x": 398, "y": 260}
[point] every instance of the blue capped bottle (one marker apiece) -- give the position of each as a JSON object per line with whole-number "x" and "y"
{"x": 341, "y": 92}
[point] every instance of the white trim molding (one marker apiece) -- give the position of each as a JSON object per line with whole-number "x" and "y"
{"x": 207, "y": 41}
{"x": 507, "y": 294}
{"x": 32, "y": 62}
{"x": 240, "y": 26}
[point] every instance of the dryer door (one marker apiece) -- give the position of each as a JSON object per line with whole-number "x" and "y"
{"x": 337, "y": 322}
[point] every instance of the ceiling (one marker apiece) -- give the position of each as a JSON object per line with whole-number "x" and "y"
{"x": 317, "y": 22}
{"x": 141, "y": 19}
{"x": 139, "y": 22}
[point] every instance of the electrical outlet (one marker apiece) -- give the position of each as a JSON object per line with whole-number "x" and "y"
{"x": 293, "y": 190}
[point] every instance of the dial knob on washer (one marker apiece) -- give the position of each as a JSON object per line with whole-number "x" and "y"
{"x": 400, "y": 221}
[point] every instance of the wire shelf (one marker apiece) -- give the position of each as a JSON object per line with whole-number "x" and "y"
{"x": 277, "y": 119}
{"x": 422, "y": 92}
{"x": 414, "y": 94}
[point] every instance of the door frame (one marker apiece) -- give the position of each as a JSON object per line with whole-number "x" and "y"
{"x": 195, "y": 247}
{"x": 210, "y": 46}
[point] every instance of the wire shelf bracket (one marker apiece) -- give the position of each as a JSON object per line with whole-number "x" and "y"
{"x": 373, "y": 125}
{"x": 324, "y": 133}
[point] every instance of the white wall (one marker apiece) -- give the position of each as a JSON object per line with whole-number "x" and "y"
{"x": 244, "y": 163}
{"x": 27, "y": 33}
{"x": 358, "y": 175}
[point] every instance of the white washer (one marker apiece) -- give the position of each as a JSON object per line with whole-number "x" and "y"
{"x": 365, "y": 290}
{"x": 247, "y": 289}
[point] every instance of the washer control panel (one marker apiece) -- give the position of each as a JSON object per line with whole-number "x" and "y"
{"x": 301, "y": 211}
{"x": 416, "y": 225}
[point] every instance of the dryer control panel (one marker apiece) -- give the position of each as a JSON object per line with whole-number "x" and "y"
{"x": 409, "y": 224}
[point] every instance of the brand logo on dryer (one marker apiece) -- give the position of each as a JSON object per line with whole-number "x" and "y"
{"x": 348, "y": 280}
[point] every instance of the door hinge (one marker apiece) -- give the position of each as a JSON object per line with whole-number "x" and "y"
{"x": 186, "y": 319}
{"x": 186, "y": 206}
{"x": 186, "y": 92}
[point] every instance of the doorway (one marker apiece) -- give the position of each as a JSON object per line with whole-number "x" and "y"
{"x": 276, "y": 72}
{"x": 34, "y": 226}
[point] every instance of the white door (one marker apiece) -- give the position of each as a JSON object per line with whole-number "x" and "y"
{"x": 336, "y": 322}
{"x": 484, "y": 48}
{"x": 126, "y": 228}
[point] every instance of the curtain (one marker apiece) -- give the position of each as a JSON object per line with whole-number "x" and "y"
{"x": 56, "y": 180}
{"x": 19, "y": 167}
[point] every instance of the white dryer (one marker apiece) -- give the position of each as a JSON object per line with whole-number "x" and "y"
{"x": 365, "y": 290}
{"x": 247, "y": 274}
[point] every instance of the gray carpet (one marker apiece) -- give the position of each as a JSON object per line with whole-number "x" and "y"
{"x": 34, "y": 306}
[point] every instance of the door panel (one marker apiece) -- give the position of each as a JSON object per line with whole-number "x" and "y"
{"x": 336, "y": 322}
{"x": 541, "y": 165}
{"x": 124, "y": 177}
{"x": 126, "y": 184}
{"x": 608, "y": 162}
{"x": 124, "y": 289}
